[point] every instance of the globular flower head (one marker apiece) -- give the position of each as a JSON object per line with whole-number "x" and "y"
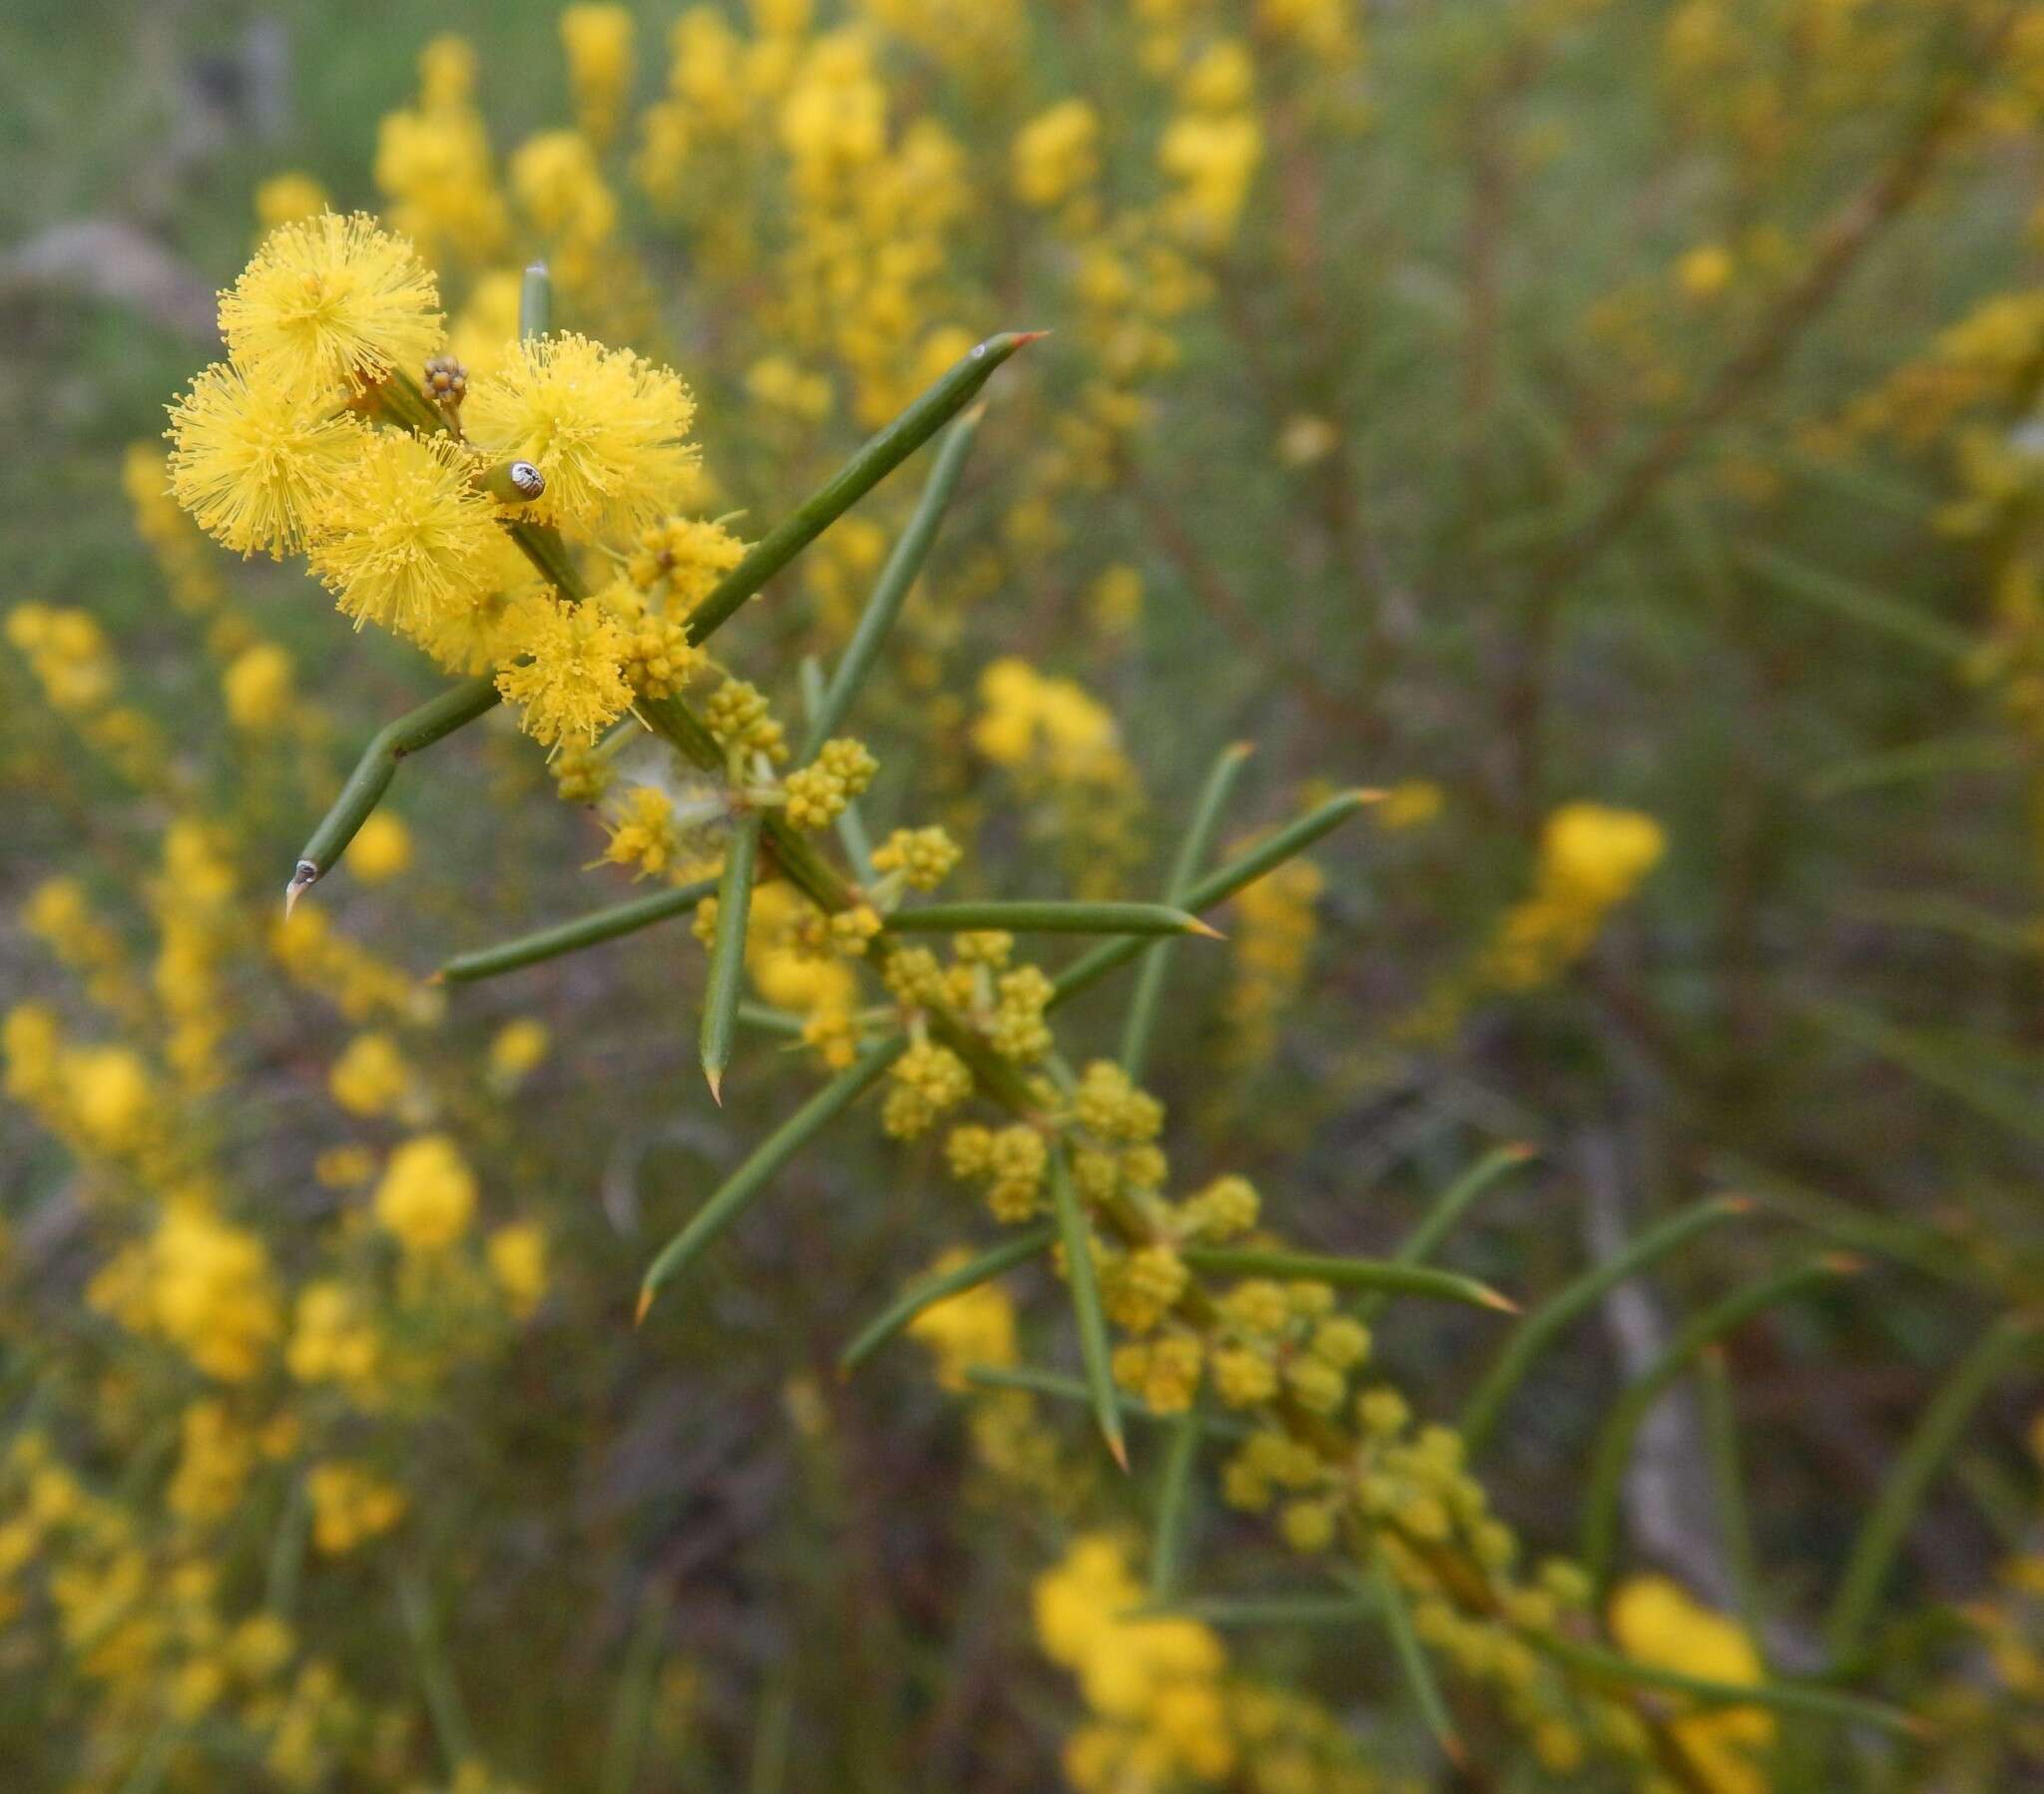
{"x": 923, "y": 856}
{"x": 253, "y": 457}
{"x": 571, "y": 681}
{"x": 684, "y": 557}
{"x": 428, "y": 1194}
{"x": 473, "y": 638}
{"x": 404, "y": 540}
{"x": 258, "y": 687}
{"x": 607, "y": 429}
{"x": 331, "y": 302}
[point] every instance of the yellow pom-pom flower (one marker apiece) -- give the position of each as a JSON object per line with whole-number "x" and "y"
{"x": 427, "y": 1195}
{"x": 257, "y": 688}
{"x": 571, "y": 681}
{"x": 286, "y": 199}
{"x": 381, "y": 850}
{"x": 1658, "y": 1623}
{"x": 404, "y": 539}
{"x": 607, "y": 429}
{"x": 598, "y": 41}
{"x": 331, "y": 302}
{"x": 517, "y": 1257}
{"x": 1056, "y": 153}
{"x": 253, "y": 457}
{"x": 350, "y": 1506}
{"x": 370, "y": 1078}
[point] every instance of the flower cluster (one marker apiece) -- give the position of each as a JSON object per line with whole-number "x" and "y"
{"x": 453, "y": 520}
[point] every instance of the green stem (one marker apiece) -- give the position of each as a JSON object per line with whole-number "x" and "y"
{"x": 1140, "y": 1023}
{"x": 535, "y": 303}
{"x": 1046, "y": 918}
{"x": 1414, "y": 1663}
{"x": 430, "y": 723}
{"x": 769, "y": 1020}
{"x": 541, "y": 544}
{"x": 728, "y": 952}
{"x": 773, "y": 1737}
{"x": 543, "y": 547}
{"x": 1076, "y": 1234}
{"x": 927, "y": 1292}
{"x": 851, "y": 827}
{"x": 633, "y": 1708}
{"x": 1448, "y": 1209}
{"x": 1260, "y": 1609}
{"x": 1728, "y": 1481}
{"x": 1929, "y": 1447}
{"x": 436, "y": 1679}
{"x": 288, "y": 1552}
{"x": 891, "y": 590}
{"x": 1070, "y": 1388}
{"x": 1537, "y": 1331}
{"x": 1879, "y": 611}
{"x": 738, "y": 1190}
{"x": 1348, "y": 1273}
{"x": 571, "y": 937}
{"x": 1217, "y": 887}
{"x": 1629, "y": 1412}
{"x": 1175, "y": 1503}
{"x": 1784, "y": 1697}
{"x": 884, "y": 452}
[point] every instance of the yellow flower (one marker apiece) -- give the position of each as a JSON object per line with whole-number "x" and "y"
{"x": 435, "y": 166}
{"x": 474, "y": 637}
{"x": 331, "y": 302}
{"x": 797, "y": 981}
{"x": 517, "y": 1048}
{"x": 1592, "y": 858}
{"x": 684, "y": 558}
{"x": 1056, "y": 153}
{"x": 558, "y": 183}
{"x": 607, "y": 429}
{"x": 1025, "y": 715}
{"x": 517, "y": 1256}
{"x": 976, "y": 1326}
{"x": 1705, "y": 272}
{"x": 258, "y": 687}
{"x": 572, "y": 682}
{"x": 1221, "y": 81}
{"x": 350, "y": 1506}
{"x": 598, "y": 40}
{"x": 212, "y": 1464}
{"x": 284, "y": 199}
{"x": 381, "y": 850}
{"x": 1306, "y": 439}
{"x": 332, "y": 1340}
{"x": 370, "y": 1077}
{"x": 1410, "y": 804}
{"x": 111, "y": 1094}
{"x": 486, "y": 327}
{"x": 1655, "y": 1621}
{"x": 403, "y": 539}
{"x": 208, "y": 1292}
{"x": 253, "y": 457}
{"x": 644, "y": 833}
{"x": 1598, "y": 854}
{"x": 1116, "y": 600}
{"x": 923, "y": 856}
{"x": 1160, "y": 1672}
{"x": 428, "y": 1194}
